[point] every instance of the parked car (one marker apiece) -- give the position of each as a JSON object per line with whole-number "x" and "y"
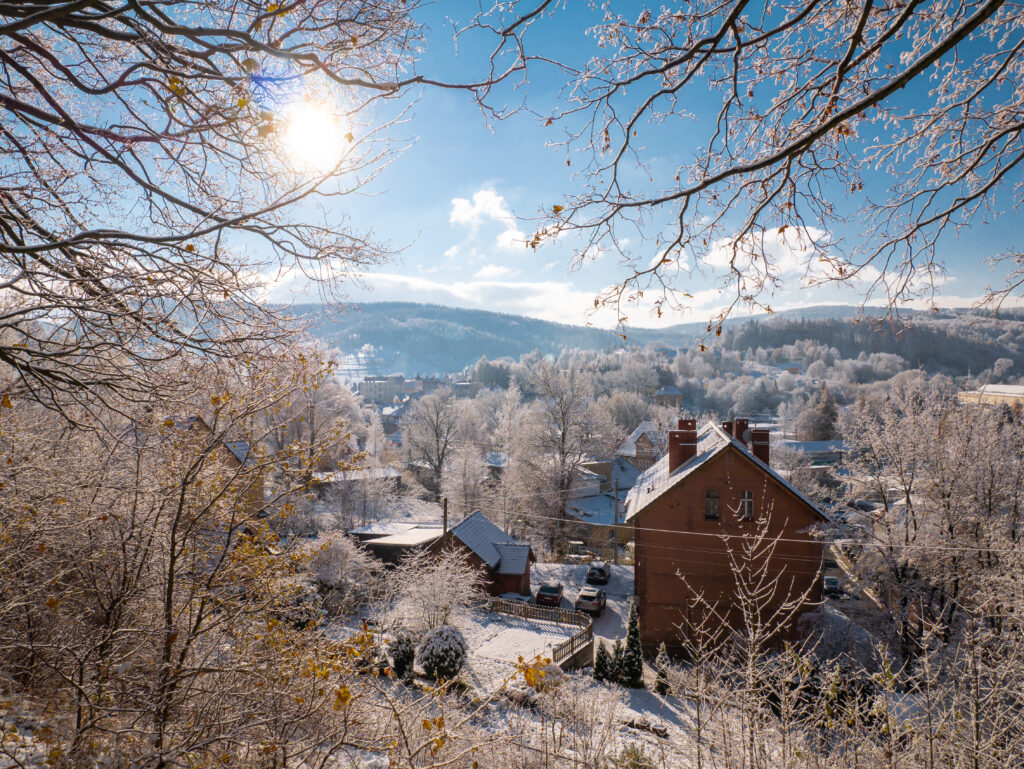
{"x": 549, "y": 594}
{"x": 599, "y": 573}
{"x": 832, "y": 588}
{"x": 591, "y": 600}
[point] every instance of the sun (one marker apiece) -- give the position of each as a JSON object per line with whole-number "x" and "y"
{"x": 314, "y": 135}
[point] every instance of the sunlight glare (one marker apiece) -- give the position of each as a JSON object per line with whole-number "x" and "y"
{"x": 314, "y": 135}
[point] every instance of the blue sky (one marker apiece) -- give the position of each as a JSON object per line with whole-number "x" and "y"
{"x": 458, "y": 203}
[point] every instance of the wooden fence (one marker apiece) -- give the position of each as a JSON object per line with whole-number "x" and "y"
{"x": 563, "y": 651}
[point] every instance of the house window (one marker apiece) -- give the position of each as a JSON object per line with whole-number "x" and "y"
{"x": 746, "y": 505}
{"x": 711, "y": 506}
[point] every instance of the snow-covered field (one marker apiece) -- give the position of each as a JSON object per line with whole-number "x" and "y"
{"x": 612, "y": 622}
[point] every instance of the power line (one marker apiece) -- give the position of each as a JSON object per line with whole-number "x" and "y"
{"x": 747, "y": 537}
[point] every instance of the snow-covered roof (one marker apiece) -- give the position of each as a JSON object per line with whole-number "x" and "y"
{"x": 496, "y": 459}
{"x": 712, "y": 440}
{"x": 241, "y": 451}
{"x": 599, "y": 509}
{"x": 628, "y": 447}
{"x": 384, "y": 528}
{"x": 368, "y": 474}
{"x": 514, "y": 558}
{"x": 625, "y": 473}
{"x": 814, "y": 447}
{"x": 1013, "y": 391}
{"x": 481, "y": 535}
{"x": 418, "y": 535}
{"x": 670, "y": 390}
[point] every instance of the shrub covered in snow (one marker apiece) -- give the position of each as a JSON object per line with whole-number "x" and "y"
{"x": 403, "y": 653}
{"x": 443, "y": 653}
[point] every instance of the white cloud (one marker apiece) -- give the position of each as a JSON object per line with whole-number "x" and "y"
{"x": 452, "y": 252}
{"x": 494, "y": 272}
{"x": 488, "y": 206}
{"x": 788, "y": 250}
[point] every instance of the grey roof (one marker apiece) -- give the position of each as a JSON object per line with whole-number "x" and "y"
{"x": 670, "y": 390}
{"x": 481, "y": 535}
{"x": 514, "y": 558}
{"x": 712, "y": 440}
{"x": 241, "y": 451}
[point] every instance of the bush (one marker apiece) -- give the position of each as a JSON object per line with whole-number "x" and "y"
{"x": 403, "y": 653}
{"x": 443, "y": 653}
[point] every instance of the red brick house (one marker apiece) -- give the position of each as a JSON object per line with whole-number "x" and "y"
{"x": 504, "y": 561}
{"x": 713, "y": 482}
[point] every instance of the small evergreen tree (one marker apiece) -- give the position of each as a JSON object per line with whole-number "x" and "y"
{"x": 661, "y": 686}
{"x": 443, "y": 653}
{"x": 602, "y": 663}
{"x": 403, "y": 653}
{"x": 615, "y": 669}
{"x": 631, "y": 671}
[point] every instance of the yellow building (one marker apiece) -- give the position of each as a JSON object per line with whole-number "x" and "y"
{"x": 994, "y": 395}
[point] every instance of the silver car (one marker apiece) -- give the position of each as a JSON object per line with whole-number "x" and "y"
{"x": 591, "y": 600}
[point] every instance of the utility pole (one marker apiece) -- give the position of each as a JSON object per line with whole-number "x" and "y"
{"x": 615, "y": 528}
{"x": 444, "y": 516}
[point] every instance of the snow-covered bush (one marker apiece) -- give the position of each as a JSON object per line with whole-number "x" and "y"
{"x": 426, "y": 590}
{"x": 443, "y": 653}
{"x": 343, "y": 568}
{"x": 403, "y": 653}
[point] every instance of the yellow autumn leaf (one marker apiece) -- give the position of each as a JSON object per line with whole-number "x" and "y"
{"x": 250, "y": 64}
{"x": 558, "y": 209}
{"x": 7, "y": 402}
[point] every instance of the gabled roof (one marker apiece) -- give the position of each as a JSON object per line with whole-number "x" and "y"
{"x": 514, "y": 558}
{"x": 482, "y": 536}
{"x": 240, "y": 450}
{"x": 628, "y": 447}
{"x": 712, "y": 440}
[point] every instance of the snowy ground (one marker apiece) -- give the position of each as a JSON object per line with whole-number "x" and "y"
{"x": 612, "y": 622}
{"x": 497, "y": 641}
{"x": 404, "y": 508}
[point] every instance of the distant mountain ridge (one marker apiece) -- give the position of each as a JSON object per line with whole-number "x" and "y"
{"x": 416, "y": 338}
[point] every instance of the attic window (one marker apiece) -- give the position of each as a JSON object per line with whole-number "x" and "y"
{"x": 746, "y": 505}
{"x": 711, "y": 502}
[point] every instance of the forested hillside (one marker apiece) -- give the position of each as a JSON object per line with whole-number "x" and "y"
{"x": 953, "y": 343}
{"x": 421, "y": 338}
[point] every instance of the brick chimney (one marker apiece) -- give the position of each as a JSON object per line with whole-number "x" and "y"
{"x": 682, "y": 444}
{"x": 760, "y": 446}
{"x": 740, "y": 427}
{"x": 727, "y": 427}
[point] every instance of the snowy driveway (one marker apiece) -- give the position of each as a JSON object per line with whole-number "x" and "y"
{"x": 612, "y": 622}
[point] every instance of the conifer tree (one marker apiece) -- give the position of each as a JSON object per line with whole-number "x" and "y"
{"x": 631, "y": 670}
{"x": 661, "y": 686}
{"x": 602, "y": 663}
{"x": 615, "y": 671}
